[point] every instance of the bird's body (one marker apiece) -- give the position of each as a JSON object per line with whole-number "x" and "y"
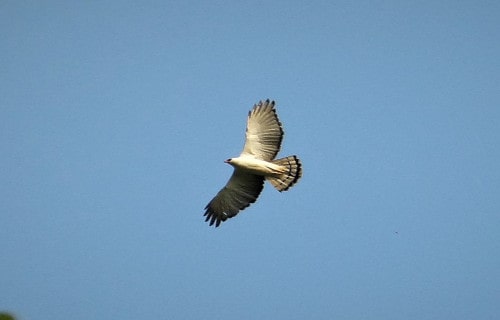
{"x": 254, "y": 165}
{"x": 257, "y": 166}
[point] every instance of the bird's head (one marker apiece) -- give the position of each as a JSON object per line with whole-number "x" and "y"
{"x": 228, "y": 160}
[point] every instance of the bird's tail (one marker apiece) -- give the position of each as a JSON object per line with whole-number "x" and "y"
{"x": 292, "y": 174}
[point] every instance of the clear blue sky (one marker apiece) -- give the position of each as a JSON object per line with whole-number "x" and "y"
{"x": 116, "y": 117}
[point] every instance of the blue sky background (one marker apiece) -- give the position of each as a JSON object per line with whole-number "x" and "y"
{"x": 116, "y": 117}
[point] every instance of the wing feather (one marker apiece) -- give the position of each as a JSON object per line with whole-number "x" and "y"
{"x": 264, "y": 132}
{"x": 240, "y": 191}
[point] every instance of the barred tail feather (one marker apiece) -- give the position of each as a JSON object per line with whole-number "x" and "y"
{"x": 290, "y": 177}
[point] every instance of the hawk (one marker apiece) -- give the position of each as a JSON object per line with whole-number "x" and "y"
{"x": 255, "y": 164}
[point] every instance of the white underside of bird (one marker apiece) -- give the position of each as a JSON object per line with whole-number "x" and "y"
{"x": 257, "y": 166}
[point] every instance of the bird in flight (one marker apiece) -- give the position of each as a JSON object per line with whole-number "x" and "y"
{"x": 255, "y": 164}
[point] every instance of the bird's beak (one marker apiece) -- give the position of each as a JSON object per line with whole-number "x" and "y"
{"x": 225, "y": 161}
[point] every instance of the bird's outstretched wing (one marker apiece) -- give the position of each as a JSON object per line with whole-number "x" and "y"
{"x": 240, "y": 191}
{"x": 264, "y": 132}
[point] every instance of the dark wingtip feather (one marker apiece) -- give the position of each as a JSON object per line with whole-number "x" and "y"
{"x": 211, "y": 217}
